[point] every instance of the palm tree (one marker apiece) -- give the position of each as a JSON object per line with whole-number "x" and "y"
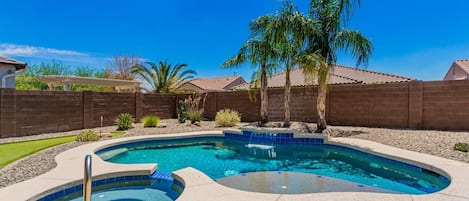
{"x": 164, "y": 77}
{"x": 330, "y": 37}
{"x": 260, "y": 53}
{"x": 287, "y": 32}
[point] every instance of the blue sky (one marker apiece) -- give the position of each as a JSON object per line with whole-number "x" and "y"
{"x": 414, "y": 38}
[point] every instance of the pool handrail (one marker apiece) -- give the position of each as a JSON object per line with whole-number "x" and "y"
{"x": 87, "y": 179}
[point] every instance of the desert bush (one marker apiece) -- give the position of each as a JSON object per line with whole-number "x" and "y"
{"x": 195, "y": 111}
{"x": 195, "y": 115}
{"x": 182, "y": 111}
{"x": 87, "y": 135}
{"x": 227, "y": 118}
{"x": 464, "y": 147}
{"x": 150, "y": 121}
{"x": 124, "y": 121}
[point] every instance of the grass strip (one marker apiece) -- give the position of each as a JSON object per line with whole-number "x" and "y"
{"x": 11, "y": 152}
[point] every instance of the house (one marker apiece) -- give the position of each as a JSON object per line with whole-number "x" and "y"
{"x": 341, "y": 75}
{"x": 213, "y": 84}
{"x": 9, "y": 68}
{"x": 459, "y": 70}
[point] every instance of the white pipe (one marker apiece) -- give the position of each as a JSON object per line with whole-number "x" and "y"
{"x": 5, "y": 77}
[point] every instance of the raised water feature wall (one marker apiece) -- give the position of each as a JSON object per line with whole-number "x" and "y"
{"x": 263, "y": 136}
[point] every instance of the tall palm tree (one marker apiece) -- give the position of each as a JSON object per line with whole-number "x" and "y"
{"x": 164, "y": 77}
{"x": 258, "y": 52}
{"x": 330, "y": 37}
{"x": 287, "y": 32}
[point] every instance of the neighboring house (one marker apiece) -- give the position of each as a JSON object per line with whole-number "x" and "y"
{"x": 458, "y": 71}
{"x": 213, "y": 84}
{"x": 9, "y": 68}
{"x": 341, "y": 75}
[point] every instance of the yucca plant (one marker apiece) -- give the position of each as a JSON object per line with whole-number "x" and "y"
{"x": 124, "y": 121}
{"x": 150, "y": 121}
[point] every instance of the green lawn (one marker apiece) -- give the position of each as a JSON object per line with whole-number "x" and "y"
{"x": 117, "y": 133}
{"x": 11, "y": 152}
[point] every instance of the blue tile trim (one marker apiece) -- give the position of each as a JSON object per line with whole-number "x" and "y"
{"x": 79, "y": 187}
{"x": 278, "y": 138}
{"x": 167, "y": 176}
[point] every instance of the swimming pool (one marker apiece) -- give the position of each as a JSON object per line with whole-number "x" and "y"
{"x": 221, "y": 157}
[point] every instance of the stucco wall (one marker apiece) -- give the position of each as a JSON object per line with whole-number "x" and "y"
{"x": 4, "y": 70}
{"x": 456, "y": 73}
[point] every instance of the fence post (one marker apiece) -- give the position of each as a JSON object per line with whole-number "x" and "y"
{"x": 8, "y": 113}
{"x": 416, "y": 104}
{"x": 87, "y": 109}
{"x": 138, "y": 105}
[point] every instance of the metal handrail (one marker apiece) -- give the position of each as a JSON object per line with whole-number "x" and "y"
{"x": 87, "y": 179}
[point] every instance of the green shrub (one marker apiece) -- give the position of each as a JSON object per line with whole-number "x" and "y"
{"x": 150, "y": 121}
{"x": 464, "y": 147}
{"x": 182, "y": 111}
{"x": 195, "y": 110}
{"x": 227, "y": 118}
{"x": 124, "y": 121}
{"x": 195, "y": 115}
{"x": 87, "y": 135}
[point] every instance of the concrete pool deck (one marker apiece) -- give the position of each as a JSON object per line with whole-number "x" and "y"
{"x": 198, "y": 186}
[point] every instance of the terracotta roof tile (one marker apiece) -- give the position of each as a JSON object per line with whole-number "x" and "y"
{"x": 214, "y": 84}
{"x": 463, "y": 64}
{"x": 341, "y": 75}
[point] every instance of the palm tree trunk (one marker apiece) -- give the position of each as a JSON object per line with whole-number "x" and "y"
{"x": 321, "y": 108}
{"x": 264, "y": 96}
{"x": 286, "y": 120}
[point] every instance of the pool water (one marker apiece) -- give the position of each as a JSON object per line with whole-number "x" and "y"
{"x": 139, "y": 190}
{"x": 220, "y": 157}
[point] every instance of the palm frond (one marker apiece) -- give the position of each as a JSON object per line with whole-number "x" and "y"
{"x": 162, "y": 77}
{"x": 354, "y": 42}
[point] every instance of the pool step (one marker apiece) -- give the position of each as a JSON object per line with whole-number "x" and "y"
{"x": 113, "y": 153}
{"x": 167, "y": 176}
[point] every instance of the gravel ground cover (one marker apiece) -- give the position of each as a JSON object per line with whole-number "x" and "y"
{"x": 438, "y": 143}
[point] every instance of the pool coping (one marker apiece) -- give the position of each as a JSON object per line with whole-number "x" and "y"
{"x": 198, "y": 186}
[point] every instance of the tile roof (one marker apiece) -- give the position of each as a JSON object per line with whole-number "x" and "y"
{"x": 341, "y": 75}
{"x": 463, "y": 64}
{"x": 19, "y": 65}
{"x": 214, "y": 84}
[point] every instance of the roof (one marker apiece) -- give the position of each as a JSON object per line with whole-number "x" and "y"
{"x": 341, "y": 75}
{"x": 18, "y": 65}
{"x": 87, "y": 80}
{"x": 214, "y": 84}
{"x": 463, "y": 64}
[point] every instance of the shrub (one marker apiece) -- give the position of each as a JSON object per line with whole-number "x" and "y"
{"x": 195, "y": 115}
{"x": 182, "y": 111}
{"x": 150, "y": 121}
{"x": 227, "y": 118}
{"x": 464, "y": 147}
{"x": 87, "y": 135}
{"x": 195, "y": 111}
{"x": 124, "y": 121}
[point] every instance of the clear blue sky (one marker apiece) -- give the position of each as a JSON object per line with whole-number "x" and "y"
{"x": 413, "y": 38}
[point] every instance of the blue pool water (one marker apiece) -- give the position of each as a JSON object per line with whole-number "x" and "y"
{"x": 124, "y": 190}
{"x": 220, "y": 157}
